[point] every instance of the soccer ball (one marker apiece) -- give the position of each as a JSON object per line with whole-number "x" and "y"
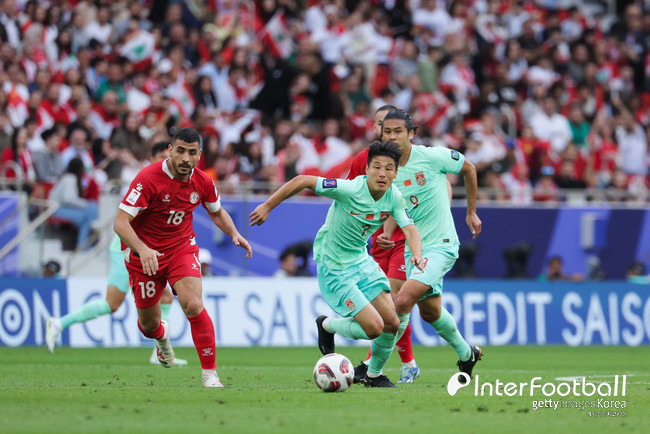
{"x": 333, "y": 373}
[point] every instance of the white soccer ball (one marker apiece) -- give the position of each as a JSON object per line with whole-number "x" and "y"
{"x": 333, "y": 373}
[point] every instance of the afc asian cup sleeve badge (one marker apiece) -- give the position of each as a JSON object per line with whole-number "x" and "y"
{"x": 194, "y": 197}
{"x": 350, "y": 304}
{"x": 133, "y": 197}
{"x": 419, "y": 178}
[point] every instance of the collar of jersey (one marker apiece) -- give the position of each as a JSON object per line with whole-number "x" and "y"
{"x": 165, "y": 169}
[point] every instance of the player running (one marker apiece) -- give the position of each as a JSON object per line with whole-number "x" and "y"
{"x": 391, "y": 262}
{"x": 422, "y": 180}
{"x": 349, "y": 279}
{"x": 118, "y": 286}
{"x": 154, "y": 221}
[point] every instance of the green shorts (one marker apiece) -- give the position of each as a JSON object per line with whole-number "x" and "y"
{"x": 118, "y": 276}
{"x": 348, "y": 291}
{"x": 437, "y": 262}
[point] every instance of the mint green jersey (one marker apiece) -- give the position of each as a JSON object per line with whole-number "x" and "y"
{"x": 423, "y": 182}
{"x": 353, "y": 217}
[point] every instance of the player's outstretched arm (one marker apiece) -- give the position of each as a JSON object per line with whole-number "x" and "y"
{"x": 148, "y": 257}
{"x": 222, "y": 219}
{"x": 471, "y": 185}
{"x": 415, "y": 244}
{"x": 297, "y": 184}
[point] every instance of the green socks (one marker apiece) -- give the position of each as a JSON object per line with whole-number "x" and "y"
{"x": 445, "y": 326}
{"x": 164, "y": 311}
{"x": 96, "y": 308}
{"x": 90, "y": 310}
{"x": 403, "y": 323}
{"x": 382, "y": 347}
{"x": 346, "y": 327}
{"x": 380, "y": 350}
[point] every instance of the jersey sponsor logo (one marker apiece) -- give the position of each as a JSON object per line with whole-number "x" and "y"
{"x": 455, "y": 155}
{"x": 354, "y": 213}
{"x": 166, "y": 199}
{"x": 384, "y": 215}
{"x": 139, "y": 187}
{"x": 133, "y": 197}
{"x": 329, "y": 183}
{"x": 350, "y": 304}
{"x": 407, "y": 183}
{"x": 419, "y": 178}
{"x": 402, "y": 268}
{"x": 194, "y": 197}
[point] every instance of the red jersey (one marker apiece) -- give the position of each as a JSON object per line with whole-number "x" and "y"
{"x": 358, "y": 167}
{"x": 162, "y": 206}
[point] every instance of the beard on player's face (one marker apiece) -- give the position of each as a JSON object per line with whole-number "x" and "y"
{"x": 183, "y": 167}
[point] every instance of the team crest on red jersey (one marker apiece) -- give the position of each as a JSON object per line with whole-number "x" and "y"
{"x": 419, "y": 178}
{"x": 350, "y": 304}
{"x": 194, "y": 197}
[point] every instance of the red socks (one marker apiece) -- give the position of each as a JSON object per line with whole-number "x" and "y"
{"x": 404, "y": 347}
{"x": 157, "y": 334}
{"x": 203, "y": 336}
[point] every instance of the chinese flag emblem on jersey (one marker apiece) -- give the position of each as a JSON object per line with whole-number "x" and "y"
{"x": 419, "y": 178}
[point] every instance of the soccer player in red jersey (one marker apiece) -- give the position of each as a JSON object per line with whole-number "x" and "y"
{"x": 154, "y": 221}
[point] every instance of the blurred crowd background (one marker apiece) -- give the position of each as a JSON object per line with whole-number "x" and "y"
{"x": 542, "y": 96}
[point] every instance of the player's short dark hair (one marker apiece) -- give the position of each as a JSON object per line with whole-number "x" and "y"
{"x": 385, "y": 107}
{"x": 159, "y": 147}
{"x": 384, "y": 149}
{"x": 401, "y": 114}
{"x": 187, "y": 135}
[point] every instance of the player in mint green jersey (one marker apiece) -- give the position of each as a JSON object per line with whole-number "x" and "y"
{"x": 350, "y": 281}
{"x": 422, "y": 180}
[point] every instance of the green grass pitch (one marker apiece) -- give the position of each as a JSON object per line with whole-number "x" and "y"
{"x": 272, "y": 390}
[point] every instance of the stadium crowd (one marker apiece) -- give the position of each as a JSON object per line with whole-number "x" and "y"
{"x": 539, "y": 95}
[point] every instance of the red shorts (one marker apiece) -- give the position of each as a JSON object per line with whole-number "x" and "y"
{"x": 393, "y": 262}
{"x": 147, "y": 290}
